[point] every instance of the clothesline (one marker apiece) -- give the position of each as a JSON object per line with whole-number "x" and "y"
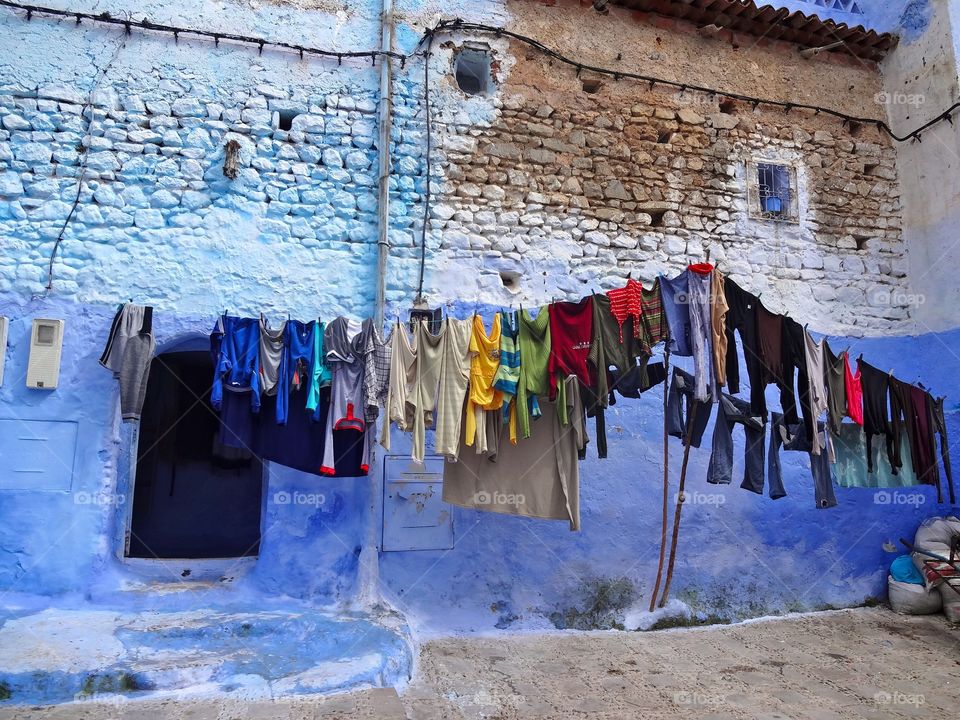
{"x": 466, "y": 382}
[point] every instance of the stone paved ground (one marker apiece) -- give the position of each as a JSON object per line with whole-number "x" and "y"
{"x": 866, "y": 663}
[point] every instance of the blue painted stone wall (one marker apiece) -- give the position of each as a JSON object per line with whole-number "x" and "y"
{"x": 139, "y": 124}
{"x": 295, "y": 233}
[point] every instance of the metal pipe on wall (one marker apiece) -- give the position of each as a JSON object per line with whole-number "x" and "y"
{"x": 384, "y": 126}
{"x": 369, "y": 568}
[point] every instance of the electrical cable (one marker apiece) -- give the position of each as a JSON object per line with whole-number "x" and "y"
{"x": 459, "y": 25}
{"x": 426, "y": 193}
{"x": 86, "y": 110}
{"x": 176, "y": 31}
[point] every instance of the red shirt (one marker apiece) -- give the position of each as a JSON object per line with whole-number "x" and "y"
{"x": 571, "y": 329}
{"x": 624, "y": 303}
{"x": 854, "y": 391}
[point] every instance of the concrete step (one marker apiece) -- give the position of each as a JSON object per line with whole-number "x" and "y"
{"x": 91, "y": 655}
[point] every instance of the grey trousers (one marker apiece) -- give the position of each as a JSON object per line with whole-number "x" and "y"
{"x": 794, "y": 437}
{"x": 734, "y": 411}
{"x": 133, "y": 373}
{"x": 680, "y": 403}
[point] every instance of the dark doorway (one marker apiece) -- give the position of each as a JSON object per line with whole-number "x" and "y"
{"x": 193, "y": 498}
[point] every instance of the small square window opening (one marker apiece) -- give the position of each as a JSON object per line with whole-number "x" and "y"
{"x": 286, "y": 120}
{"x": 471, "y": 68}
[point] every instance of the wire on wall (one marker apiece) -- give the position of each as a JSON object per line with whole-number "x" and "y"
{"x": 175, "y": 30}
{"x": 426, "y": 192}
{"x": 459, "y": 25}
{"x": 82, "y": 175}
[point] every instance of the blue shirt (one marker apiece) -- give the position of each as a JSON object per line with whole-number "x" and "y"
{"x": 235, "y": 347}
{"x": 676, "y": 306}
{"x": 297, "y": 356}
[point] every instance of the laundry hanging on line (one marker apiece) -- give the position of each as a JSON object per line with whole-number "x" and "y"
{"x": 482, "y": 391}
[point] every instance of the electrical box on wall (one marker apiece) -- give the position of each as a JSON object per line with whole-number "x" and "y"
{"x": 414, "y": 514}
{"x": 46, "y": 343}
{"x": 4, "y": 324}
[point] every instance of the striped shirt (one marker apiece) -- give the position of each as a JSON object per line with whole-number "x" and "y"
{"x": 508, "y": 374}
{"x": 625, "y": 302}
{"x": 654, "y": 320}
{"x": 454, "y": 381}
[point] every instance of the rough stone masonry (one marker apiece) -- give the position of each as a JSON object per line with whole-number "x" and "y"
{"x": 578, "y": 179}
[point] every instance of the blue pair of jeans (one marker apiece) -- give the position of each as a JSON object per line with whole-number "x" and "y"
{"x": 793, "y": 436}
{"x": 733, "y": 411}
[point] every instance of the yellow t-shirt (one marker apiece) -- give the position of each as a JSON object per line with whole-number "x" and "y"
{"x": 484, "y": 361}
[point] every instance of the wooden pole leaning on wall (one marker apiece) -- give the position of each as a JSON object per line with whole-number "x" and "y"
{"x": 680, "y": 499}
{"x": 666, "y": 479}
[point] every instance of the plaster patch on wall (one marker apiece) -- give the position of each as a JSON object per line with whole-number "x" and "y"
{"x": 915, "y": 20}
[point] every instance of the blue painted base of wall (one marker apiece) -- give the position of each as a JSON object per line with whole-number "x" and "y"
{"x": 269, "y": 649}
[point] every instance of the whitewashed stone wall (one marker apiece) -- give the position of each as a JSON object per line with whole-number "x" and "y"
{"x": 542, "y": 190}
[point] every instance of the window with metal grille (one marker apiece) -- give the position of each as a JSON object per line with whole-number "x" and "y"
{"x": 772, "y": 191}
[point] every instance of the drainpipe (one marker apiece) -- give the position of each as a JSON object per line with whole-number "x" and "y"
{"x": 369, "y": 567}
{"x": 384, "y": 122}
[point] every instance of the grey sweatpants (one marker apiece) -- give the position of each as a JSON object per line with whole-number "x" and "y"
{"x": 132, "y": 374}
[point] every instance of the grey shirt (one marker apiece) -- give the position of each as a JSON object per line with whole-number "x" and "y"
{"x": 271, "y": 350}
{"x": 346, "y": 343}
